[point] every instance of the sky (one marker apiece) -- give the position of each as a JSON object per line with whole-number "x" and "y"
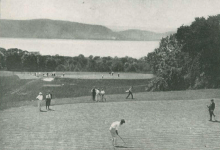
{"x": 154, "y": 15}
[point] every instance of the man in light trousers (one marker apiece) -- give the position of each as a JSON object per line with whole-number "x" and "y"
{"x": 40, "y": 98}
{"x": 114, "y": 130}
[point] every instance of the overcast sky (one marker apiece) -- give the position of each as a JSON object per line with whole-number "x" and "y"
{"x": 155, "y": 15}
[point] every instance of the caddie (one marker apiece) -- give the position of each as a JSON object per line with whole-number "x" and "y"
{"x": 211, "y": 109}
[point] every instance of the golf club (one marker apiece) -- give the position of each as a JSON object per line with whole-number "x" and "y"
{"x": 122, "y": 140}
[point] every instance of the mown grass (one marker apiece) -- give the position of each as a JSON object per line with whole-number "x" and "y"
{"x": 150, "y": 125}
{"x": 79, "y": 75}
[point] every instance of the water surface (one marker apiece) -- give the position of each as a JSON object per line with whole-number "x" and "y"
{"x": 135, "y": 49}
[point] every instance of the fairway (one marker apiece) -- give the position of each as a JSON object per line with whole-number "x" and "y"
{"x": 150, "y": 125}
{"x": 79, "y": 75}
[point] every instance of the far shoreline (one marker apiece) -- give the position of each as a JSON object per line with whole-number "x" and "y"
{"x": 79, "y": 39}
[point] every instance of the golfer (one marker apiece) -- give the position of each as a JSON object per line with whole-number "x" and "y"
{"x": 211, "y": 109}
{"x": 40, "y": 98}
{"x": 93, "y": 91}
{"x": 98, "y": 96}
{"x": 48, "y": 100}
{"x": 102, "y": 93}
{"x": 130, "y": 92}
{"x": 114, "y": 130}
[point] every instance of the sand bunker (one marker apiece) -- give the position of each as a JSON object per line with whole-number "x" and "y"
{"x": 48, "y": 79}
{"x": 52, "y": 85}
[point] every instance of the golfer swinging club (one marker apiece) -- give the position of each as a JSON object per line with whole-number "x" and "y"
{"x": 114, "y": 130}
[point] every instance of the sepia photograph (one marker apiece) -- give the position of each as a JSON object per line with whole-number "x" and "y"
{"x": 109, "y": 74}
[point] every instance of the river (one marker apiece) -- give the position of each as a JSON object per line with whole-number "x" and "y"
{"x": 63, "y": 47}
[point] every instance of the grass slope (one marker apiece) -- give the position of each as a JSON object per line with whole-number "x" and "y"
{"x": 65, "y": 90}
{"x": 14, "y": 89}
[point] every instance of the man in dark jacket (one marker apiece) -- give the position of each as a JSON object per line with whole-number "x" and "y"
{"x": 48, "y": 100}
{"x": 211, "y": 109}
{"x": 93, "y": 93}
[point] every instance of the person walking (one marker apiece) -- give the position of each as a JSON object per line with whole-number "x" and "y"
{"x": 211, "y": 108}
{"x": 48, "y": 100}
{"x": 40, "y": 98}
{"x": 93, "y": 91}
{"x": 114, "y": 130}
{"x": 130, "y": 92}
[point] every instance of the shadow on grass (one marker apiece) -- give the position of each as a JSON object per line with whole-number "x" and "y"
{"x": 43, "y": 111}
{"x": 123, "y": 147}
{"x": 216, "y": 121}
{"x": 51, "y": 110}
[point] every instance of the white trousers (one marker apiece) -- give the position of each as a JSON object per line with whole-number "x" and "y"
{"x": 39, "y": 105}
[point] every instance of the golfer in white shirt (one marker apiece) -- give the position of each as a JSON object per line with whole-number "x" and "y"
{"x": 40, "y": 98}
{"x": 97, "y": 95}
{"x": 102, "y": 93}
{"x": 114, "y": 130}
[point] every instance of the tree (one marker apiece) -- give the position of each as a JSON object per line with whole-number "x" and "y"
{"x": 50, "y": 63}
{"x": 167, "y": 64}
{"x": 2, "y": 58}
{"x": 13, "y": 59}
{"x": 201, "y": 40}
{"x": 29, "y": 62}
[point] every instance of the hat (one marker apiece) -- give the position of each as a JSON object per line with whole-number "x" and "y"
{"x": 122, "y": 121}
{"x": 212, "y": 100}
{"x": 40, "y": 93}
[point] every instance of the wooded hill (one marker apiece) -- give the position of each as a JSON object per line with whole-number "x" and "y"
{"x": 55, "y": 29}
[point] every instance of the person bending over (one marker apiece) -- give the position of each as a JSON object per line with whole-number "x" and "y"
{"x": 114, "y": 130}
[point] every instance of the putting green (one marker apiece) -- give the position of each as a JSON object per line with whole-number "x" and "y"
{"x": 150, "y": 125}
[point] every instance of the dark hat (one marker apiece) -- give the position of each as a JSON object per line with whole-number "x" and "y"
{"x": 212, "y": 100}
{"x": 122, "y": 121}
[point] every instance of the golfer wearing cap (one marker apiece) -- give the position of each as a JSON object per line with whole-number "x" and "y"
{"x": 40, "y": 98}
{"x": 114, "y": 130}
{"x": 211, "y": 109}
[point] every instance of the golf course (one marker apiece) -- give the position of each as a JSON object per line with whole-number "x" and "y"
{"x": 174, "y": 120}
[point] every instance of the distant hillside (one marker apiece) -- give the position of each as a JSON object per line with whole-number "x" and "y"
{"x": 54, "y": 29}
{"x": 142, "y": 35}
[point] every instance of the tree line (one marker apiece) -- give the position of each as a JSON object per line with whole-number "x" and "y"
{"x": 18, "y": 60}
{"x": 189, "y": 59}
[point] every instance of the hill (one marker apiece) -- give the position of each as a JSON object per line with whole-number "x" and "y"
{"x": 143, "y": 35}
{"x": 56, "y": 29}
{"x": 52, "y": 29}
